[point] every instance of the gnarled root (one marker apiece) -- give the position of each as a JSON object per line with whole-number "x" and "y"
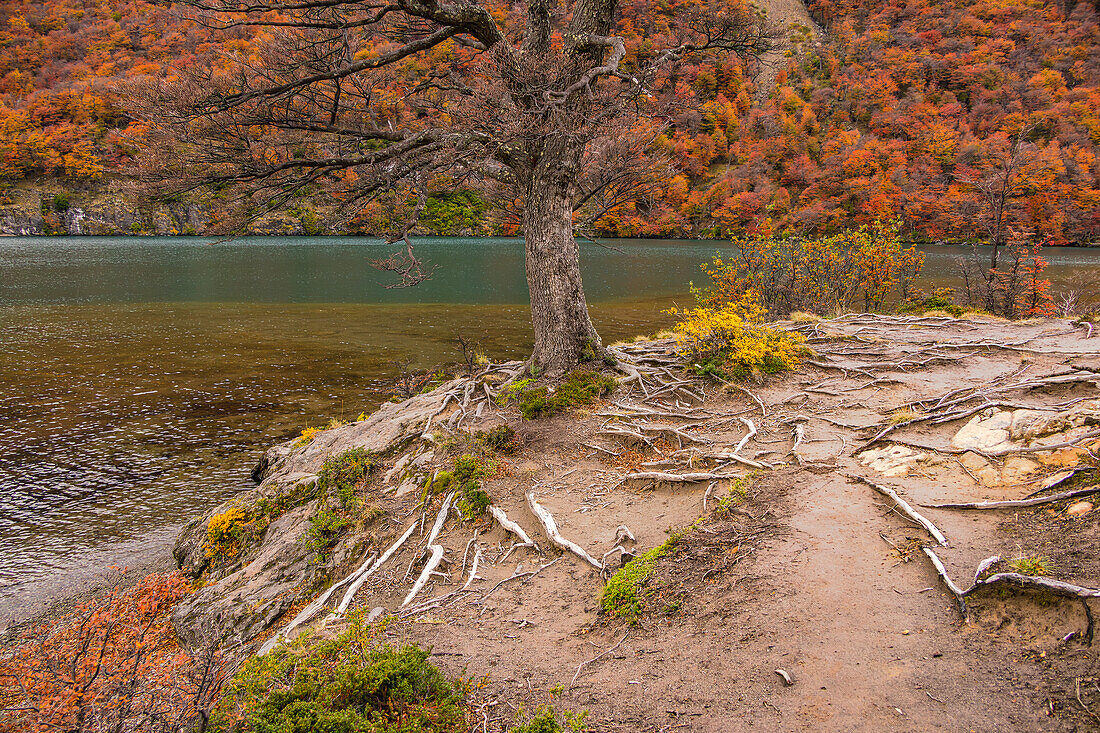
{"x": 552, "y": 533}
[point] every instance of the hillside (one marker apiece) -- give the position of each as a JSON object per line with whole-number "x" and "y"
{"x": 869, "y": 110}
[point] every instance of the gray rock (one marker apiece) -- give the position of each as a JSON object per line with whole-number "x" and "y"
{"x": 244, "y": 603}
{"x": 269, "y": 577}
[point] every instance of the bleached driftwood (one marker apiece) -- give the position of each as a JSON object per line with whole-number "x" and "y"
{"x": 984, "y": 565}
{"x": 906, "y": 509}
{"x": 440, "y": 600}
{"x": 551, "y": 529}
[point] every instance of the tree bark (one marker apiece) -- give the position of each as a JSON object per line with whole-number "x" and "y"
{"x": 564, "y": 334}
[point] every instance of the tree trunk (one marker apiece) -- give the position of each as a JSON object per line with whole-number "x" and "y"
{"x": 564, "y": 334}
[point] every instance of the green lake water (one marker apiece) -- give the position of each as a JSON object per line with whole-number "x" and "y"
{"x": 141, "y": 378}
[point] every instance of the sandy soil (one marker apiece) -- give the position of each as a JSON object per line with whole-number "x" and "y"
{"x": 813, "y": 573}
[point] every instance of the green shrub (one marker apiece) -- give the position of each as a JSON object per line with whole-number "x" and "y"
{"x": 941, "y": 299}
{"x": 341, "y": 475}
{"x": 338, "y": 482}
{"x": 545, "y": 720}
{"x": 348, "y": 684}
{"x": 325, "y": 527}
{"x": 501, "y": 439}
{"x": 581, "y": 387}
{"x": 622, "y": 596}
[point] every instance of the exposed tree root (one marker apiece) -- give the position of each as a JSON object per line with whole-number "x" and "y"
{"x": 905, "y": 508}
{"x": 676, "y": 478}
{"x": 517, "y": 576}
{"x": 1036, "y": 501}
{"x": 551, "y": 529}
{"x": 436, "y": 552}
{"x": 509, "y": 526}
{"x": 1017, "y": 580}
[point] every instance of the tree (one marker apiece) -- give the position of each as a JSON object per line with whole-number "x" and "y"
{"x": 537, "y": 103}
{"x": 999, "y": 188}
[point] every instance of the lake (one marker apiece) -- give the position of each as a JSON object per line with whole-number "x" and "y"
{"x": 141, "y": 378}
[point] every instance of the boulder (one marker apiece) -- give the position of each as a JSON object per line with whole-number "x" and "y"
{"x": 242, "y": 604}
{"x": 892, "y": 460}
{"x": 272, "y": 574}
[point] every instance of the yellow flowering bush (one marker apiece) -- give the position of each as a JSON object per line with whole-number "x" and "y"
{"x": 728, "y": 342}
{"x": 225, "y": 532}
{"x": 863, "y": 268}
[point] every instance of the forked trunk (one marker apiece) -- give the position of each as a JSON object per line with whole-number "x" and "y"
{"x": 564, "y": 334}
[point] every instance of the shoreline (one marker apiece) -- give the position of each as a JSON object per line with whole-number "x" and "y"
{"x": 747, "y": 581}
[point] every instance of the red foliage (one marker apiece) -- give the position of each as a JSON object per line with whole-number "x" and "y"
{"x": 903, "y": 111}
{"x": 113, "y": 664}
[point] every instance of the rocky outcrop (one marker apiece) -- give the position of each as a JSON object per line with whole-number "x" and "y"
{"x": 277, "y": 568}
{"x": 997, "y": 431}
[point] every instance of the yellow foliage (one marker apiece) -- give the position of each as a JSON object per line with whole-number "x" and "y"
{"x": 727, "y": 342}
{"x": 224, "y": 533}
{"x": 306, "y": 437}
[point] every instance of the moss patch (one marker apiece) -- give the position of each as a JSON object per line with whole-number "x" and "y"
{"x": 581, "y": 387}
{"x": 623, "y": 595}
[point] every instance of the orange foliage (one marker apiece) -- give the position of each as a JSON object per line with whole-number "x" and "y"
{"x": 890, "y": 115}
{"x": 113, "y": 664}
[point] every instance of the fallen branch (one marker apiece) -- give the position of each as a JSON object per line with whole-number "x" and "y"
{"x": 1017, "y": 502}
{"x": 551, "y": 529}
{"x": 425, "y": 574}
{"x": 675, "y": 478}
{"x": 1058, "y": 587}
{"x": 905, "y": 508}
{"x": 440, "y": 600}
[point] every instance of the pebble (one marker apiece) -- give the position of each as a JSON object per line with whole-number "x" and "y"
{"x": 1079, "y": 509}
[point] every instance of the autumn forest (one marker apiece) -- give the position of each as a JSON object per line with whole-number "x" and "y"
{"x": 908, "y": 110}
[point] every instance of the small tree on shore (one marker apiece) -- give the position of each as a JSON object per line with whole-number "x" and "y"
{"x": 543, "y": 104}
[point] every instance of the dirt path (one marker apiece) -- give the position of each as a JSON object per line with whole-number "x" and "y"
{"x": 809, "y": 572}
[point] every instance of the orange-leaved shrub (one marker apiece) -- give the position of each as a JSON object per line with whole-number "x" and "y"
{"x": 112, "y": 665}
